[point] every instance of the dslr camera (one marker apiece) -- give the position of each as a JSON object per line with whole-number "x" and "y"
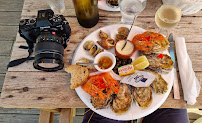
{"x": 49, "y": 35}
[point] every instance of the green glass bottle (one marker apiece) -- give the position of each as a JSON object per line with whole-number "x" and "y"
{"x": 86, "y": 12}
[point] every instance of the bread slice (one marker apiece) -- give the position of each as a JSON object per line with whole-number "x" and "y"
{"x": 79, "y": 75}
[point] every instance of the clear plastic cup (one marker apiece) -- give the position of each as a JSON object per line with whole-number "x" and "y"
{"x": 130, "y": 9}
{"x": 58, "y": 6}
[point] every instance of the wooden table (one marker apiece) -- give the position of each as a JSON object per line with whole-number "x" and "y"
{"x": 26, "y": 87}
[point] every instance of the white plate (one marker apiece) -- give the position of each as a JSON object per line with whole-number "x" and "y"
{"x": 102, "y": 5}
{"x": 134, "y": 111}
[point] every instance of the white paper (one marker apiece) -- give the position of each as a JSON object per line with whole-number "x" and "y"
{"x": 139, "y": 79}
{"x": 190, "y": 84}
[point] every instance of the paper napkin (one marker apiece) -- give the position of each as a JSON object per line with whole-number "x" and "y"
{"x": 190, "y": 84}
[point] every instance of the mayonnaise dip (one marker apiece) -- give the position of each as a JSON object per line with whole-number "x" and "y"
{"x": 127, "y": 49}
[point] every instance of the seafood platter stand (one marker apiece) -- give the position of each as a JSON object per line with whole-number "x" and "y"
{"x": 26, "y": 87}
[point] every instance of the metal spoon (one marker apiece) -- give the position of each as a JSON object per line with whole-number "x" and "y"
{"x": 87, "y": 64}
{"x": 129, "y": 31}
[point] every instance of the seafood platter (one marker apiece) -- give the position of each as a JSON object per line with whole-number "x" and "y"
{"x": 122, "y": 83}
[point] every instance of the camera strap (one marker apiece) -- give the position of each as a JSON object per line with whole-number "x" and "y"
{"x": 20, "y": 61}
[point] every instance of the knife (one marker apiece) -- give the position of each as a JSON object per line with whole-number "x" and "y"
{"x": 176, "y": 91}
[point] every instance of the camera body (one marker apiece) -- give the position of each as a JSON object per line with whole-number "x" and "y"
{"x": 51, "y": 35}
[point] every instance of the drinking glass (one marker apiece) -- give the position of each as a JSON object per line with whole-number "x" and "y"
{"x": 58, "y": 6}
{"x": 167, "y": 17}
{"x": 130, "y": 9}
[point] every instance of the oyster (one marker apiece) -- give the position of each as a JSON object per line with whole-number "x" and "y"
{"x": 160, "y": 42}
{"x": 120, "y": 37}
{"x": 122, "y": 101}
{"x": 88, "y": 45}
{"x": 99, "y": 103}
{"x": 143, "y": 96}
{"x": 159, "y": 85}
{"x": 103, "y": 35}
{"x": 161, "y": 65}
{"x": 123, "y": 31}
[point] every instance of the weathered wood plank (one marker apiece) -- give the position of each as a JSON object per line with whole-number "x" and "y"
{"x": 78, "y": 119}
{"x": 19, "y": 111}
{"x": 10, "y": 18}
{"x": 3, "y": 64}
{"x": 194, "y": 50}
{"x": 56, "y": 110}
{"x": 31, "y": 7}
{"x": 39, "y": 89}
{"x": 11, "y": 5}
{"x": 45, "y": 117}
{"x": 18, "y": 118}
{"x": 5, "y": 47}
{"x": 8, "y": 33}
{"x": 22, "y": 118}
{"x": 65, "y": 116}
{"x": 2, "y": 76}
{"x": 80, "y": 111}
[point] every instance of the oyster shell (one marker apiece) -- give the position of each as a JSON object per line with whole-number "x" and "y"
{"x": 160, "y": 42}
{"x": 103, "y": 35}
{"x": 120, "y": 37}
{"x": 107, "y": 43}
{"x": 122, "y": 101}
{"x": 99, "y": 103}
{"x": 88, "y": 45}
{"x": 161, "y": 65}
{"x": 143, "y": 96}
{"x": 159, "y": 85}
{"x": 93, "y": 50}
{"x": 123, "y": 31}
{"x": 97, "y": 52}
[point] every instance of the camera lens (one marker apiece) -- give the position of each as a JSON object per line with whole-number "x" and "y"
{"x": 49, "y": 52}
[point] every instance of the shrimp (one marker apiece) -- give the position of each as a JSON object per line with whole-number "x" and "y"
{"x": 101, "y": 86}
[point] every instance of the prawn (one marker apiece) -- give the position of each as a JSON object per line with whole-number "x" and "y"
{"x": 101, "y": 86}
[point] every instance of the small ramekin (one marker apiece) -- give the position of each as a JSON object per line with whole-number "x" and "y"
{"x": 110, "y": 55}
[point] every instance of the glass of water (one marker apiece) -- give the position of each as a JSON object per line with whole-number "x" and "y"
{"x": 130, "y": 9}
{"x": 58, "y": 6}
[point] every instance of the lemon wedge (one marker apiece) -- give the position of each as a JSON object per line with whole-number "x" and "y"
{"x": 140, "y": 63}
